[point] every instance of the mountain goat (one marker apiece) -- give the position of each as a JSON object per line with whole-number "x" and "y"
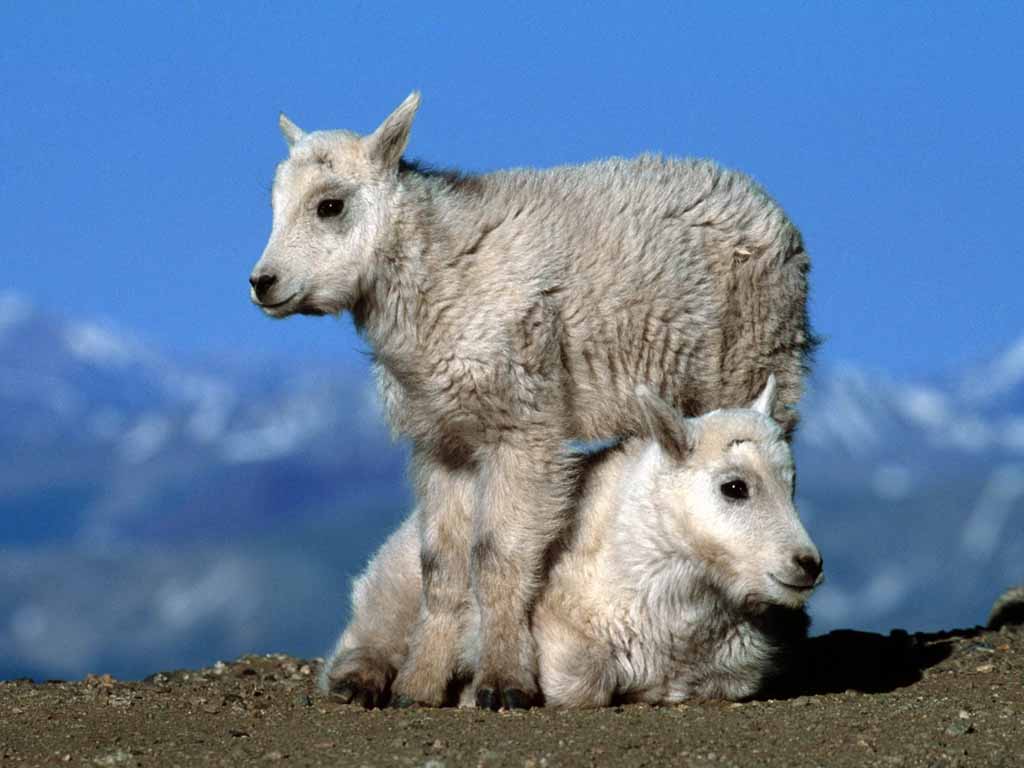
{"x": 683, "y": 575}
{"x": 512, "y": 311}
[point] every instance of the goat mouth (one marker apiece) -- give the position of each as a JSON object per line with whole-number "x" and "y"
{"x": 801, "y": 588}
{"x": 277, "y": 304}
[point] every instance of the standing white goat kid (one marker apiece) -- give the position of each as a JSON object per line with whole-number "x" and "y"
{"x": 684, "y": 575}
{"x": 511, "y": 312}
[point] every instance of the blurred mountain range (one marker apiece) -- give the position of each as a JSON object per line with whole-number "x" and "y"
{"x": 156, "y": 514}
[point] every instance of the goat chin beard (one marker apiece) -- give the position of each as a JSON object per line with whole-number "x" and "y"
{"x": 311, "y": 307}
{"x": 311, "y": 311}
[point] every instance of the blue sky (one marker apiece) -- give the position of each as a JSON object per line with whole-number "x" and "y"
{"x": 139, "y": 142}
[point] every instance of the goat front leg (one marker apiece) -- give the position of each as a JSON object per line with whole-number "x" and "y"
{"x": 524, "y": 500}
{"x": 445, "y": 505}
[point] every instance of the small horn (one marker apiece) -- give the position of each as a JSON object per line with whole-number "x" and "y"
{"x": 765, "y": 402}
{"x": 291, "y": 132}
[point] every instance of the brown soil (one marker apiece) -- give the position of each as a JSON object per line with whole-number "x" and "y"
{"x": 950, "y": 699}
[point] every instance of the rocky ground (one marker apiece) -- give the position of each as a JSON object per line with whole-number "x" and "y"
{"x": 947, "y": 699}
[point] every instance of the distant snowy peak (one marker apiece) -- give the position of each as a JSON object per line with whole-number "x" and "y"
{"x": 862, "y": 412}
{"x": 70, "y": 381}
{"x": 848, "y": 408}
{"x": 999, "y": 377}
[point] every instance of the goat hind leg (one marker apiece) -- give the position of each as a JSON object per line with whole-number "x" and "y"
{"x": 385, "y": 605}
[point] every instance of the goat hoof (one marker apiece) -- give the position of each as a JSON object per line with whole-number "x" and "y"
{"x": 502, "y": 698}
{"x": 513, "y": 698}
{"x": 488, "y": 698}
{"x": 349, "y": 692}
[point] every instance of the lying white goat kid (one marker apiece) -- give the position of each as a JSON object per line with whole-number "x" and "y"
{"x": 683, "y": 577}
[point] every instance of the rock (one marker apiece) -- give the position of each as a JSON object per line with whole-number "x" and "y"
{"x": 120, "y": 699}
{"x": 959, "y": 728}
{"x": 1008, "y": 610}
{"x": 117, "y": 757}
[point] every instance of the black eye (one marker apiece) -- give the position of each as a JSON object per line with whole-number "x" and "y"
{"x": 735, "y": 489}
{"x": 329, "y": 208}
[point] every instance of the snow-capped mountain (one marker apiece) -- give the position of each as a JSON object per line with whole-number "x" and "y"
{"x": 134, "y": 445}
{"x": 156, "y": 514}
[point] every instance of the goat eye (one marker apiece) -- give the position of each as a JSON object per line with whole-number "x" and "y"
{"x": 329, "y": 208}
{"x": 735, "y": 489}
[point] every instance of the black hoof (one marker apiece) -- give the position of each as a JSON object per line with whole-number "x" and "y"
{"x": 508, "y": 698}
{"x": 352, "y": 693}
{"x": 367, "y": 698}
{"x": 513, "y": 698}
{"x": 488, "y": 698}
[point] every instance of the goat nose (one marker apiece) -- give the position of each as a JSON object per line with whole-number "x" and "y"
{"x": 809, "y": 564}
{"x": 262, "y": 283}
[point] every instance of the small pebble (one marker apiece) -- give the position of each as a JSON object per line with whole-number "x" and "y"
{"x": 959, "y": 728}
{"x": 488, "y": 757}
{"x": 117, "y": 757}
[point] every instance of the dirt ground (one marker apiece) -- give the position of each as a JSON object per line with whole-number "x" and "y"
{"x": 948, "y": 699}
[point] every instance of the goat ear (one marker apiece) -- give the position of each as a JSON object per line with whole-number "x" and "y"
{"x": 388, "y": 142}
{"x": 291, "y": 132}
{"x": 665, "y": 424}
{"x": 765, "y": 402}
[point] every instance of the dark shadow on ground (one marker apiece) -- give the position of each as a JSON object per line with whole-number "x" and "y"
{"x": 847, "y": 659}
